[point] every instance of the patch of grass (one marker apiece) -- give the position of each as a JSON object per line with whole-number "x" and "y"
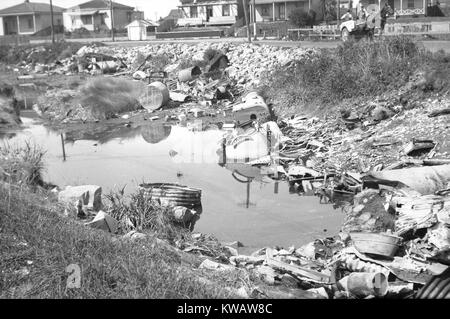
{"x": 37, "y": 244}
{"x": 21, "y": 165}
{"x": 105, "y": 97}
{"x": 361, "y": 69}
{"x": 144, "y": 214}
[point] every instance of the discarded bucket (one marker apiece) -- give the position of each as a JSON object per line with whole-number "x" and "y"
{"x": 172, "y": 194}
{"x": 189, "y": 74}
{"x": 363, "y": 284}
{"x": 156, "y": 96}
{"x": 377, "y": 244}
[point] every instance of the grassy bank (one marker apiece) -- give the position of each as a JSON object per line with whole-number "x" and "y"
{"x": 37, "y": 244}
{"x": 9, "y": 110}
{"x": 44, "y": 54}
{"x": 363, "y": 69}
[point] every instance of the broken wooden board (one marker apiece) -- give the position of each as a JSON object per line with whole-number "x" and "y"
{"x": 298, "y": 271}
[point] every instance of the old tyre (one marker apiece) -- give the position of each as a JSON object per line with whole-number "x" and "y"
{"x": 345, "y": 35}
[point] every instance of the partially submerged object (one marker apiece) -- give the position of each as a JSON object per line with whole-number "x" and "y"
{"x": 172, "y": 194}
{"x": 253, "y": 107}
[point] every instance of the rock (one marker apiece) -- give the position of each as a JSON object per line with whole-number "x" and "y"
{"x": 212, "y": 265}
{"x": 104, "y": 222}
{"x": 381, "y": 113}
{"x": 184, "y": 215}
{"x": 439, "y": 236}
{"x": 139, "y": 75}
{"x": 308, "y": 251}
{"x": 134, "y": 235}
{"x": 247, "y": 259}
{"x": 266, "y": 273}
{"x": 234, "y": 244}
{"x": 320, "y": 291}
{"x": 289, "y": 281}
{"x": 89, "y": 195}
{"x": 231, "y": 251}
{"x": 9, "y": 110}
{"x": 369, "y": 214}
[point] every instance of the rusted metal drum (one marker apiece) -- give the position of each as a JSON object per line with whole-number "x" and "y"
{"x": 155, "y": 96}
{"x": 172, "y": 194}
{"x": 189, "y": 74}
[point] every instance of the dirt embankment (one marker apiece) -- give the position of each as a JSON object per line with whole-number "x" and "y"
{"x": 9, "y": 111}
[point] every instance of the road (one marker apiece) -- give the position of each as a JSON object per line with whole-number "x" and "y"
{"x": 432, "y": 45}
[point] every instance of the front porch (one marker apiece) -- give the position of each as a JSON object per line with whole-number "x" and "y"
{"x": 18, "y": 24}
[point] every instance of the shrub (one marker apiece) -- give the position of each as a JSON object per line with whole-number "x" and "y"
{"x": 21, "y": 165}
{"x": 105, "y": 97}
{"x": 301, "y": 18}
{"x": 356, "y": 69}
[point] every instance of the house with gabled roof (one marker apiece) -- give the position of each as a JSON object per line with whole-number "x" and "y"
{"x": 27, "y": 18}
{"x": 96, "y": 15}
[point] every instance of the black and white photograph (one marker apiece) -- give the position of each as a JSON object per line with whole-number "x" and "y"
{"x": 225, "y": 155}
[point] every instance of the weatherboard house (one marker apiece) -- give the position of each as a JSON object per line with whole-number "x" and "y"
{"x": 209, "y": 12}
{"x": 96, "y": 15}
{"x": 28, "y": 18}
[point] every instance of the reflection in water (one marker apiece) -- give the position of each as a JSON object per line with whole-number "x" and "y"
{"x": 6, "y": 135}
{"x": 155, "y": 133}
{"x": 254, "y": 212}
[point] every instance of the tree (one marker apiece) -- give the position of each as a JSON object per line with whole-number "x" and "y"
{"x": 301, "y": 18}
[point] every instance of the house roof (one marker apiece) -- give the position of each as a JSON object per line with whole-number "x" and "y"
{"x": 189, "y": 3}
{"x": 143, "y": 22}
{"x": 99, "y": 4}
{"x": 30, "y": 7}
{"x": 175, "y": 14}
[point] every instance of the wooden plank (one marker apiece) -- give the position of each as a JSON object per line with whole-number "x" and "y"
{"x": 298, "y": 271}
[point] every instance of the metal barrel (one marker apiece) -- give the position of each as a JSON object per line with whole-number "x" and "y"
{"x": 172, "y": 194}
{"x": 189, "y": 74}
{"x": 156, "y": 96}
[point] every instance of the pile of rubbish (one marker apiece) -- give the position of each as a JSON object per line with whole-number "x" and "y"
{"x": 390, "y": 246}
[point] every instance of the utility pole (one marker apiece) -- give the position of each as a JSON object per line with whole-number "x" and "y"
{"x": 53, "y": 26}
{"x": 254, "y": 20}
{"x": 112, "y": 19}
{"x": 244, "y": 3}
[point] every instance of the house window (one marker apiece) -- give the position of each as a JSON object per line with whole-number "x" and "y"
{"x": 281, "y": 11}
{"x": 73, "y": 20}
{"x": 30, "y": 23}
{"x": 209, "y": 11}
{"x": 373, "y": 2}
{"x": 58, "y": 22}
{"x": 193, "y": 12}
{"x": 265, "y": 10}
{"x": 226, "y": 10}
{"x": 129, "y": 17}
{"x": 86, "y": 19}
{"x": 410, "y": 4}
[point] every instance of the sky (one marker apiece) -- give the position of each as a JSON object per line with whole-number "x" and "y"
{"x": 151, "y": 8}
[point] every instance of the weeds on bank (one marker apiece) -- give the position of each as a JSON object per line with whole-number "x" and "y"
{"x": 355, "y": 69}
{"x": 21, "y": 164}
{"x": 37, "y": 244}
{"x": 136, "y": 211}
{"x": 106, "y": 97}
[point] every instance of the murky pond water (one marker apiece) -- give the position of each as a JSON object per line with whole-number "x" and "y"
{"x": 261, "y": 213}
